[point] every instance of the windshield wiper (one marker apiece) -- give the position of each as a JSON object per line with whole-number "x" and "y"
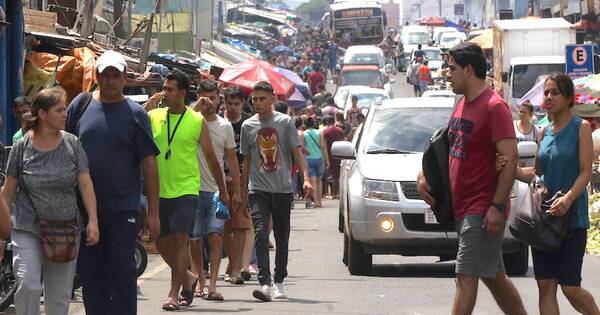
{"x": 389, "y": 151}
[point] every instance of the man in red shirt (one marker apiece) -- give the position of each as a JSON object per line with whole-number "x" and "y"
{"x": 315, "y": 78}
{"x": 333, "y": 133}
{"x": 480, "y": 127}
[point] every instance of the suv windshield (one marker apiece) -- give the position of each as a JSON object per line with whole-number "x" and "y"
{"x": 370, "y": 78}
{"x": 525, "y": 76}
{"x": 416, "y": 38}
{"x": 432, "y": 54}
{"x": 404, "y": 129}
{"x": 365, "y": 100}
{"x": 366, "y": 59}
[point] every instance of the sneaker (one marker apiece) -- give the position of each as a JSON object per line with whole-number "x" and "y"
{"x": 264, "y": 293}
{"x": 278, "y": 292}
{"x": 253, "y": 270}
{"x": 309, "y": 204}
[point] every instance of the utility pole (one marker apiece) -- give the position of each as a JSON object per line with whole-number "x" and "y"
{"x": 440, "y": 6}
{"x": 147, "y": 38}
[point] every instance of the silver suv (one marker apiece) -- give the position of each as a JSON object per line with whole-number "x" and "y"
{"x": 380, "y": 209}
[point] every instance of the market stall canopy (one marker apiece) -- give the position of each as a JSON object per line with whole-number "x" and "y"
{"x": 456, "y": 26}
{"x": 485, "y": 40}
{"x": 297, "y": 100}
{"x": 433, "y": 21}
{"x": 292, "y": 76}
{"x": 247, "y": 74}
{"x": 282, "y": 50}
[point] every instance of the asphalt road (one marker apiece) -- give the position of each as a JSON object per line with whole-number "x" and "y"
{"x": 319, "y": 283}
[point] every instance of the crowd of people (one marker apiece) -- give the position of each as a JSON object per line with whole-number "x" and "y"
{"x": 175, "y": 156}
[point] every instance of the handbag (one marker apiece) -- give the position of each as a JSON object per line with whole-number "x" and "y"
{"x": 534, "y": 225}
{"x": 59, "y": 237}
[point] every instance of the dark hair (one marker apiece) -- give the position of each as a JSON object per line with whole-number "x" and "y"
{"x": 298, "y": 122}
{"x": 339, "y": 116}
{"x": 470, "y": 54}
{"x": 44, "y": 100}
{"x": 20, "y": 101}
{"x": 419, "y": 46}
{"x": 330, "y": 101}
{"x": 425, "y": 62}
{"x": 206, "y": 86}
{"x": 263, "y": 86}
{"x": 527, "y": 104}
{"x": 310, "y": 122}
{"x": 321, "y": 86}
{"x": 328, "y": 120}
{"x": 281, "y": 107}
{"x": 183, "y": 82}
{"x": 317, "y": 67}
{"x": 565, "y": 86}
{"x": 234, "y": 92}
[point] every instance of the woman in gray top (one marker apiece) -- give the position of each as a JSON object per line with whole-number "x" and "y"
{"x": 53, "y": 161}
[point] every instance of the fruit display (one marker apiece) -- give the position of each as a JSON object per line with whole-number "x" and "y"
{"x": 593, "y": 242}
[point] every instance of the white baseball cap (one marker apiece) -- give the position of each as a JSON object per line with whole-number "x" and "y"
{"x": 111, "y": 58}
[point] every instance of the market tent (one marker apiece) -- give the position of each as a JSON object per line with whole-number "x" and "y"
{"x": 433, "y": 21}
{"x": 485, "y": 40}
{"x": 456, "y": 26}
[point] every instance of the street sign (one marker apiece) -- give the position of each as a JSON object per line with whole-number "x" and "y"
{"x": 579, "y": 60}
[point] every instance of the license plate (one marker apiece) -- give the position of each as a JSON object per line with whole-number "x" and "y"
{"x": 430, "y": 217}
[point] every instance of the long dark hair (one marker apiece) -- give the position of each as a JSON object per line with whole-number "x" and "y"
{"x": 565, "y": 86}
{"x": 44, "y": 100}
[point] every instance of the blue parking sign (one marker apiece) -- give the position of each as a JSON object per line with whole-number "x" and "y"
{"x": 579, "y": 60}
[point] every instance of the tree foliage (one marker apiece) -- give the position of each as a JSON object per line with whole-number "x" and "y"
{"x": 314, "y": 8}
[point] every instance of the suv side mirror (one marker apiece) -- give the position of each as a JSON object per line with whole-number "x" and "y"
{"x": 504, "y": 76}
{"x": 343, "y": 150}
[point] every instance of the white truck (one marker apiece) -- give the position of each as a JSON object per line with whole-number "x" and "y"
{"x": 526, "y": 51}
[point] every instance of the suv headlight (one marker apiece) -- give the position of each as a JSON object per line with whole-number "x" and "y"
{"x": 380, "y": 190}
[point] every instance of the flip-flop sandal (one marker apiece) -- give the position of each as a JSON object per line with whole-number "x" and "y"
{"x": 170, "y": 306}
{"x": 199, "y": 294}
{"x": 246, "y": 275}
{"x": 237, "y": 280}
{"x": 214, "y": 296}
{"x": 187, "y": 296}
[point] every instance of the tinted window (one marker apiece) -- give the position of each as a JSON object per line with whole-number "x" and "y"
{"x": 365, "y": 78}
{"x": 404, "y": 129}
{"x": 525, "y": 76}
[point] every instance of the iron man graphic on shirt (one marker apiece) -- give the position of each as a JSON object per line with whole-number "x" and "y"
{"x": 268, "y": 145}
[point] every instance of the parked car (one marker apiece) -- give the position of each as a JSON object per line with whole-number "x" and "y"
{"x": 367, "y": 55}
{"x": 365, "y": 75}
{"x": 433, "y": 55}
{"x": 381, "y": 211}
{"x": 449, "y": 40}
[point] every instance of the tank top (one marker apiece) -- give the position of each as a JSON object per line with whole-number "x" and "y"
{"x": 179, "y": 173}
{"x": 559, "y": 161}
{"x": 312, "y": 143}
{"x": 531, "y": 136}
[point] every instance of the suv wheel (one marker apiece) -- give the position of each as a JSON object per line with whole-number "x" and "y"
{"x": 359, "y": 262}
{"x": 345, "y": 254}
{"x": 517, "y": 263}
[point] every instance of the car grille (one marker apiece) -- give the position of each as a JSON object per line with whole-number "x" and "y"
{"x": 416, "y": 222}
{"x": 409, "y": 189}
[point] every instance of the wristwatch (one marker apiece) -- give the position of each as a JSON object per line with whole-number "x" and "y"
{"x": 499, "y": 206}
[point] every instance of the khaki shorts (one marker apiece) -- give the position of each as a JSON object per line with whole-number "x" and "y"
{"x": 478, "y": 255}
{"x": 240, "y": 220}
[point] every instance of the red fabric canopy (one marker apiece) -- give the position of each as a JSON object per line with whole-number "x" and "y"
{"x": 433, "y": 21}
{"x": 247, "y": 74}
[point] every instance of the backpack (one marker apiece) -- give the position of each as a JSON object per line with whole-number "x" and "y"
{"x": 435, "y": 169}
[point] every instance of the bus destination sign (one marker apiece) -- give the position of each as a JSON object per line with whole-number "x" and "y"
{"x": 357, "y": 13}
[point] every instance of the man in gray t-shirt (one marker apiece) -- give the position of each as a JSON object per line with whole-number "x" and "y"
{"x": 269, "y": 141}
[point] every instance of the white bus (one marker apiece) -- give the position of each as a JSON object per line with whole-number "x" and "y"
{"x": 357, "y": 22}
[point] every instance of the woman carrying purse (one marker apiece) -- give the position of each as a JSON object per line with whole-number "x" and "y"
{"x": 564, "y": 163}
{"x": 42, "y": 172}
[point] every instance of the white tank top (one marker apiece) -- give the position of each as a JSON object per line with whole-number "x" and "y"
{"x": 531, "y": 136}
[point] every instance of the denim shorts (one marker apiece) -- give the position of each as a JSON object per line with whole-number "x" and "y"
{"x": 565, "y": 264}
{"x": 206, "y": 218}
{"x": 315, "y": 167}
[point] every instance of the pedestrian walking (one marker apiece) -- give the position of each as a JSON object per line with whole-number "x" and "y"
{"x": 424, "y": 74}
{"x": 564, "y": 163}
{"x": 525, "y": 130}
{"x": 480, "y": 127}
{"x": 269, "y": 140}
{"x": 116, "y": 135}
{"x": 317, "y": 159}
{"x": 412, "y": 76}
{"x": 43, "y": 168}
{"x": 238, "y": 237}
{"x": 21, "y": 109}
{"x": 353, "y": 111}
{"x": 332, "y": 133}
{"x": 315, "y": 78}
{"x": 212, "y": 180}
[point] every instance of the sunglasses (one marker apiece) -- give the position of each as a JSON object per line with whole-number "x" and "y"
{"x": 554, "y": 92}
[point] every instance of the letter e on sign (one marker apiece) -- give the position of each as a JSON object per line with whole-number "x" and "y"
{"x": 580, "y": 56}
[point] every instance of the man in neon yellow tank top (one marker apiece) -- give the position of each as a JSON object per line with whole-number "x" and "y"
{"x": 179, "y": 132}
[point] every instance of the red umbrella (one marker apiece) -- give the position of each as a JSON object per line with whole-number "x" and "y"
{"x": 433, "y": 21}
{"x": 247, "y": 74}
